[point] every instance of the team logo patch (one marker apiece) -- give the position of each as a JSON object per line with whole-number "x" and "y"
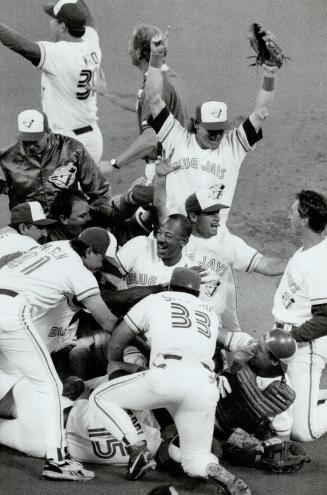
{"x": 288, "y": 300}
{"x": 28, "y": 123}
{"x": 64, "y": 176}
{"x": 216, "y": 113}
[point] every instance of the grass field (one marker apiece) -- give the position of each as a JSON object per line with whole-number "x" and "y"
{"x": 208, "y": 48}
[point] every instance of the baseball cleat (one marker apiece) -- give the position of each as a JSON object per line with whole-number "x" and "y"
{"x": 70, "y": 470}
{"x": 227, "y": 482}
{"x": 140, "y": 462}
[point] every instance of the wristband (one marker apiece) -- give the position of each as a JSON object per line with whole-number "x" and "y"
{"x": 156, "y": 60}
{"x": 268, "y": 83}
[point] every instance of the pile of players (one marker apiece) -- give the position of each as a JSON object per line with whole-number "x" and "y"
{"x": 115, "y": 309}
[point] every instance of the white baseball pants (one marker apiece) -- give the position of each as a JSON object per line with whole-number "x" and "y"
{"x": 91, "y": 140}
{"x": 185, "y": 388}
{"x": 304, "y": 371}
{"x": 25, "y": 351}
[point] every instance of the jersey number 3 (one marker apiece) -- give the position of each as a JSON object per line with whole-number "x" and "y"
{"x": 181, "y": 319}
{"x": 83, "y": 83}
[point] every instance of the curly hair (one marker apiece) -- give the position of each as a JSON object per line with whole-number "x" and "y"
{"x": 313, "y": 206}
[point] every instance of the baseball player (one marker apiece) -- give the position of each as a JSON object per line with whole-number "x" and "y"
{"x": 27, "y": 227}
{"x": 42, "y": 163}
{"x": 68, "y": 63}
{"x": 180, "y": 378}
{"x": 31, "y": 285}
{"x": 88, "y": 434}
{"x": 145, "y": 145}
{"x": 151, "y": 260}
{"x": 216, "y": 250}
{"x": 210, "y": 156}
{"x": 300, "y": 306}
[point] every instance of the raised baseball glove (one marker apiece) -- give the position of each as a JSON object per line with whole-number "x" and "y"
{"x": 264, "y": 43}
{"x": 274, "y": 455}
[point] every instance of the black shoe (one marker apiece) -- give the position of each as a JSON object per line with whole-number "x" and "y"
{"x": 227, "y": 482}
{"x": 140, "y": 462}
{"x": 67, "y": 470}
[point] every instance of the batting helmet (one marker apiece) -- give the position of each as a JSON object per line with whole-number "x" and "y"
{"x": 186, "y": 278}
{"x": 281, "y": 345}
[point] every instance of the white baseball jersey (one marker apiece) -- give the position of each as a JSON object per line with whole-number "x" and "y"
{"x": 11, "y": 242}
{"x": 303, "y": 285}
{"x": 202, "y": 168}
{"x": 67, "y": 69}
{"x": 176, "y": 323}
{"x": 48, "y": 274}
{"x": 220, "y": 253}
{"x": 142, "y": 266}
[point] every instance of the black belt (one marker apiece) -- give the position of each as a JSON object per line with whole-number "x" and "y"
{"x": 284, "y": 326}
{"x": 83, "y": 130}
{"x": 8, "y": 292}
{"x": 179, "y": 358}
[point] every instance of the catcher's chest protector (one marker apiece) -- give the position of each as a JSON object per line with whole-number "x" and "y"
{"x": 248, "y": 407}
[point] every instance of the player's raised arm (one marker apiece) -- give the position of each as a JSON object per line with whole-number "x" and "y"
{"x": 19, "y": 44}
{"x": 154, "y": 81}
{"x": 270, "y": 56}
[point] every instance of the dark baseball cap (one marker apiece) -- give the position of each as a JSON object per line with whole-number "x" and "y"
{"x": 30, "y": 212}
{"x": 212, "y": 115}
{"x": 203, "y": 201}
{"x": 101, "y": 240}
{"x": 72, "y": 14}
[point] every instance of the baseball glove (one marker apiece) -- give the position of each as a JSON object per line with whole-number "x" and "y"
{"x": 274, "y": 455}
{"x": 264, "y": 43}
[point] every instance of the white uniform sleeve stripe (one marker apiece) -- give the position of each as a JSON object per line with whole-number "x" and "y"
{"x": 122, "y": 268}
{"x": 42, "y": 59}
{"x": 168, "y": 132}
{"x": 254, "y": 262}
{"x": 319, "y": 300}
{"x": 131, "y": 324}
{"x": 88, "y": 292}
{"x": 240, "y": 140}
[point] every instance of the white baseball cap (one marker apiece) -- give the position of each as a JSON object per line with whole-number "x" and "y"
{"x": 101, "y": 240}
{"x": 32, "y": 125}
{"x": 203, "y": 201}
{"x": 212, "y": 115}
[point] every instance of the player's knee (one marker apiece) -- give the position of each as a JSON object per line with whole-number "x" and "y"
{"x": 301, "y": 433}
{"x": 196, "y": 465}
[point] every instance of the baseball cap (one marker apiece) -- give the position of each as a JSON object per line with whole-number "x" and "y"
{"x": 30, "y": 212}
{"x": 203, "y": 201}
{"x": 100, "y": 240}
{"x": 73, "y": 14}
{"x": 32, "y": 125}
{"x": 186, "y": 278}
{"x": 212, "y": 115}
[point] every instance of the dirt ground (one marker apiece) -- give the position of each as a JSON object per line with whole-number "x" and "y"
{"x": 208, "y": 48}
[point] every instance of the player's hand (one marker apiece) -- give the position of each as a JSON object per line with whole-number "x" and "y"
{"x": 208, "y": 276}
{"x": 159, "y": 43}
{"x": 223, "y": 385}
{"x": 99, "y": 83}
{"x": 73, "y": 387}
{"x": 164, "y": 165}
{"x": 244, "y": 354}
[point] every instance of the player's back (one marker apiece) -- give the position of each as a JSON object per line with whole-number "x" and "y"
{"x": 180, "y": 323}
{"x": 67, "y": 70}
{"x": 45, "y": 274}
